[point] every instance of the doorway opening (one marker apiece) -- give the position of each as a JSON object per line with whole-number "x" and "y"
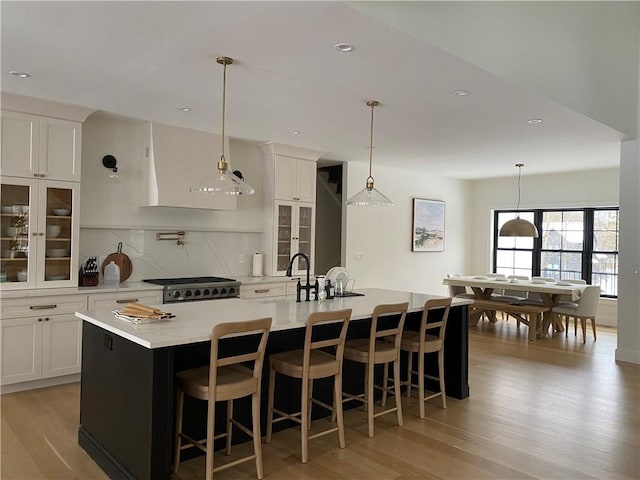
{"x": 329, "y": 204}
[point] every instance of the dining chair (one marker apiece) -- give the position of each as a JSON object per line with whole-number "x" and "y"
{"x": 585, "y": 309}
{"x": 457, "y": 290}
{"x": 382, "y": 347}
{"x": 311, "y": 363}
{"x": 428, "y": 339}
{"x": 226, "y": 378}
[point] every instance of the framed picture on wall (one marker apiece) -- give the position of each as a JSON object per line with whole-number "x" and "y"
{"x": 428, "y": 226}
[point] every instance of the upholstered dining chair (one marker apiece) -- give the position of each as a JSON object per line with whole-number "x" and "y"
{"x": 585, "y": 309}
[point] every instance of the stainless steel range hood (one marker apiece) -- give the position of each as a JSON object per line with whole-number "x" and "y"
{"x": 175, "y": 159}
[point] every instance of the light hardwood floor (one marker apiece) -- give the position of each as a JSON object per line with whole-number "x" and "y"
{"x": 553, "y": 409}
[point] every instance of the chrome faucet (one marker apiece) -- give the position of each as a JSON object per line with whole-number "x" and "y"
{"x": 308, "y": 287}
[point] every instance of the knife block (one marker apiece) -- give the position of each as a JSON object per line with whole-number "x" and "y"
{"x": 88, "y": 280}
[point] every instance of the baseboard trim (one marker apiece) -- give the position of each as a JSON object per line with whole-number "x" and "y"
{"x": 43, "y": 383}
{"x": 627, "y": 356}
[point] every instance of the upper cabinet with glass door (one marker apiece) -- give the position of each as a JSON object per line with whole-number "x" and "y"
{"x": 40, "y": 230}
{"x": 40, "y": 147}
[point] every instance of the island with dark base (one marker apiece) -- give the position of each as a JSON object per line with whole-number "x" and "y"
{"x": 128, "y": 394}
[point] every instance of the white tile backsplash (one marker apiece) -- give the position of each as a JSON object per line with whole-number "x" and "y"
{"x": 204, "y": 253}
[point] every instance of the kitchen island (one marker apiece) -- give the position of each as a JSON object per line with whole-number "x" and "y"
{"x": 127, "y": 394}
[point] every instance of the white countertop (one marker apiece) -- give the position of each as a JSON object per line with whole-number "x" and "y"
{"x": 194, "y": 320}
{"x": 44, "y": 292}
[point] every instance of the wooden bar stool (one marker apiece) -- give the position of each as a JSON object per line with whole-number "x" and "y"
{"x": 421, "y": 342}
{"x": 226, "y": 380}
{"x": 309, "y": 364}
{"x": 382, "y": 347}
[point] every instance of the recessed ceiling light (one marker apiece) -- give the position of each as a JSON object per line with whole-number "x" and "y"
{"x": 184, "y": 109}
{"x": 534, "y": 121}
{"x": 19, "y": 74}
{"x": 344, "y": 47}
{"x": 294, "y": 132}
{"x": 461, "y": 93}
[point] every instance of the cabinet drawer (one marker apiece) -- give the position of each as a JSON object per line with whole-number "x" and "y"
{"x": 49, "y": 305}
{"x": 263, "y": 290}
{"x": 112, "y": 301}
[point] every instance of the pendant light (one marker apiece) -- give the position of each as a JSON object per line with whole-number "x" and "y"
{"x": 370, "y": 195}
{"x": 518, "y": 227}
{"x": 223, "y": 181}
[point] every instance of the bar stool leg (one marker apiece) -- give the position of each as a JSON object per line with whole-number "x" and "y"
{"x": 304, "y": 417}
{"x": 257, "y": 444}
{"x": 396, "y": 380}
{"x": 310, "y": 402}
{"x": 337, "y": 386}
{"x": 441, "y": 375}
{"x": 409, "y": 374}
{"x": 369, "y": 398}
{"x": 229, "y": 426}
{"x": 211, "y": 418}
{"x": 385, "y": 386}
{"x": 421, "y": 384}
{"x": 178, "y": 439}
{"x": 272, "y": 385}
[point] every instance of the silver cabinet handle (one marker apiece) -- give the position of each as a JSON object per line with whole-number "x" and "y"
{"x": 132, "y": 300}
{"x": 42, "y": 307}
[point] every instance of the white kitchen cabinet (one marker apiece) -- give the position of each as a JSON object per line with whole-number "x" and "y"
{"x": 40, "y": 147}
{"x": 294, "y": 232}
{"x": 114, "y": 301}
{"x": 39, "y": 232}
{"x": 263, "y": 290}
{"x": 295, "y": 179}
{"x": 41, "y": 337}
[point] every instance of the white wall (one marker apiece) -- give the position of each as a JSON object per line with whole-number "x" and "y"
{"x": 383, "y": 234}
{"x": 587, "y": 188}
{"x": 629, "y": 286}
{"x": 215, "y": 240}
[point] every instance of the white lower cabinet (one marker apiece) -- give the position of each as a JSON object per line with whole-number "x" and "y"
{"x": 115, "y": 301}
{"x": 41, "y": 337}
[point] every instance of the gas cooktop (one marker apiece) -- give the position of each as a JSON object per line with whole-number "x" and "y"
{"x": 189, "y": 289}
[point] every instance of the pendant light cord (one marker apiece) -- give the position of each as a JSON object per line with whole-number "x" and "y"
{"x": 519, "y": 174}
{"x": 224, "y": 106}
{"x": 371, "y": 142}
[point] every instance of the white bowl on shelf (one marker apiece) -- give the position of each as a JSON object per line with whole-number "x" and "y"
{"x": 53, "y": 231}
{"x": 57, "y": 252}
{"x": 22, "y": 276}
{"x": 61, "y": 212}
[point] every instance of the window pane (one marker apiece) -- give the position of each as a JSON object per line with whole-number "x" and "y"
{"x": 572, "y": 262}
{"x": 608, "y": 283}
{"x": 604, "y": 263}
{"x": 605, "y": 241}
{"x": 605, "y": 220}
{"x": 522, "y": 260}
{"x": 551, "y": 239}
{"x": 504, "y": 259}
{"x": 505, "y": 242}
{"x": 549, "y": 261}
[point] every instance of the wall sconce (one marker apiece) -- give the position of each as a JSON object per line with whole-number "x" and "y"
{"x": 110, "y": 163}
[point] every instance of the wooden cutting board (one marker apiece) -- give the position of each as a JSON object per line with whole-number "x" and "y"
{"x": 122, "y": 261}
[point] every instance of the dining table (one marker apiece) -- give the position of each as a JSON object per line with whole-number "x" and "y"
{"x": 483, "y": 287}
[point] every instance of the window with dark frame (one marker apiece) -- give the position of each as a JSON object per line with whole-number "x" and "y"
{"x": 577, "y": 243}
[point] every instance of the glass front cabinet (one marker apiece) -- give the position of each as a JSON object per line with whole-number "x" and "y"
{"x": 39, "y": 233}
{"x": 294, "y": 232}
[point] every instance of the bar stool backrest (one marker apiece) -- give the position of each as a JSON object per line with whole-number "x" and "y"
{"x": 387, "y": 332}
{"x": 442, "y": 305}
{"x": 318, "y": 318}
{"x": 260, "y": 326}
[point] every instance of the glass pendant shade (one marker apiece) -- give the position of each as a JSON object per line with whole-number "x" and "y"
{"x": 223, "y": 181}
{"x": 370, "y": 196}
{"x": 518, "y": 227}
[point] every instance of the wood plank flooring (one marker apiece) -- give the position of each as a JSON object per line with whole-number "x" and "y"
{"x": 553, "y": 409}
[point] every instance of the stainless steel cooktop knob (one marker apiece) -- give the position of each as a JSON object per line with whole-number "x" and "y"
{"x": 214, "y": 291}
{"x": 187, "y": 293}
{"x": 197, "y": 293}
{"x": 223, "y": 291}
{"x": 176, "y": 293}
{"x": 206, "y": 291}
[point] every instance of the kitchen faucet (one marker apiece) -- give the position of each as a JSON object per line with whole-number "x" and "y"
{"x": 308, "y": 287}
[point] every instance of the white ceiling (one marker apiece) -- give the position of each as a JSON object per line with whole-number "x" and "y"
{"x": 146, "y": 59}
